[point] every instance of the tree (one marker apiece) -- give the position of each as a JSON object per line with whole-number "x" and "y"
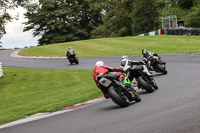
{"x": 192, "y": 19}
{"x": 4, "y": 18}
{"x": 186, "y": 4}
{"x": 116, "y": 21}
{"x": 145, "y": 16}
{"x": 4, "y": 15}
{"x": 62, "y": 20}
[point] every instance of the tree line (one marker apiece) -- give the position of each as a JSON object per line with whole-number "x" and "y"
{"x": 58, "y": 21}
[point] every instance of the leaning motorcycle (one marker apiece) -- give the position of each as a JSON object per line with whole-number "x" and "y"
{"x": 143, "y": 77}
{"x": 119, "y": 93}
{"x": 156, "y": 64}
{"x": 73, "y": 59}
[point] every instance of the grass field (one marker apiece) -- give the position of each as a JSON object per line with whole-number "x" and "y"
{"x": 24, "y": 92}
{"x": 120, "y": 46}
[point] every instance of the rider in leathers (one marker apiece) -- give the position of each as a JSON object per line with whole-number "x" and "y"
{"x": 100, "y": 70}
{"x": 126, "y": 64}
{"x": 70, "y": 52}
{"x": 148, "y": 55}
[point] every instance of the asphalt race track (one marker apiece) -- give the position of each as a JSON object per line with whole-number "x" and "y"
{"x": 173, "y": 108}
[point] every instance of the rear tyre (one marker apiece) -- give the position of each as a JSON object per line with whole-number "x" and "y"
{"x": 161, "y": 68}
{"x": 148, "y": 87}
{"x": 121, "y": 101}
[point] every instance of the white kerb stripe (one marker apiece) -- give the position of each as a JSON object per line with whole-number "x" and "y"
{"x": 1, "y": 70}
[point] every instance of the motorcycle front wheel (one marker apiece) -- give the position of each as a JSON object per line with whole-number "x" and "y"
{"x": 161, "y": 68}
{"x": 76, "y": 60}
{"x": 122, "y": 101}
{"x": 141, "y": 82}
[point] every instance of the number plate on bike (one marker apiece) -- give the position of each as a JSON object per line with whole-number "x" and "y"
{"x": 105, "y": 82}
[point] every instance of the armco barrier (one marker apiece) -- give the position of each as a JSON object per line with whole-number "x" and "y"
{"x": 1, "y": 70}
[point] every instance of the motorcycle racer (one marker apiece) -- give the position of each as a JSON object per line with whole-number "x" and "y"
{"x": 70, "y": 52}
{"x": 148, "y": 56}
{"x": 138, "y": 71}
{"x": 100, "y": 70}
{"x": 126, "y": 63}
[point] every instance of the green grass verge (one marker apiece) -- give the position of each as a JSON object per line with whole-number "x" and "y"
{"x": 24, "y": 92}
{"x": 120, "y": 46}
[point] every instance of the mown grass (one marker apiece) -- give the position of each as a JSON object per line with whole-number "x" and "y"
{"x": 24, "y": 92}
{"x": 120, "y": 46}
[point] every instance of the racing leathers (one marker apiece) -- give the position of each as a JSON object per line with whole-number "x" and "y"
{"x": 126, "y": 65}
{"x": 148, "y": 56}
{"x": 70, "y": 52}
{"x": 101, "y": 70}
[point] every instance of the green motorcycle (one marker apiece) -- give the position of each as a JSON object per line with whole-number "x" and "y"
{"x": 121, "y": 94}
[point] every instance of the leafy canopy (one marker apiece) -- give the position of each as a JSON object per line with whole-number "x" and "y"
{"x": 5, "y": 17}
{"x": 62, "y": 20}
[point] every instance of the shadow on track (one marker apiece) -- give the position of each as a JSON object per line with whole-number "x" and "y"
{"x": 158, "y": 74}
{"x": 116, "y": 107}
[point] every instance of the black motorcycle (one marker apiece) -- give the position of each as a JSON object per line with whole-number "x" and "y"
{"x": 156, "y": 64}
{"x": 119, "y": 93}
{"x": 72, "y": 58}
{"x": 143, "y": 77}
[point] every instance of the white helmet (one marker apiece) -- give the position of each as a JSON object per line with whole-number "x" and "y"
{"x": 99, "y": 63}
{"x": 124, "y": 57}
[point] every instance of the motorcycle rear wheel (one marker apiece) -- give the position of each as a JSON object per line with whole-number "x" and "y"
{"x": 148, "y": 87}
{"x": 122, "y": 102}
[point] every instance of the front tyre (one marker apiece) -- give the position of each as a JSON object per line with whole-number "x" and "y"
{"x": 76, "y": 60}
{"x": 161, "y": 68}
{"x": 71, "y": 62}
{"x": 122, "y": 101}
{"x": 154, "y": 84}
{"x": 148, "y": 87}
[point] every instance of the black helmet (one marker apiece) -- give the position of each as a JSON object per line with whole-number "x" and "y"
{"x": 144, "y": 51}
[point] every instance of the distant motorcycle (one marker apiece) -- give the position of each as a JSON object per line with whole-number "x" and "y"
{"x": 143, "y": 77}
{"x": 119, "y": 93}
{"x": 73, "y": 59}
{"x": 156, "y": 64}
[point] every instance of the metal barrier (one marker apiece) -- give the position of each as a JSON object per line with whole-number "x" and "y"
{"x": 1, "y": 70}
